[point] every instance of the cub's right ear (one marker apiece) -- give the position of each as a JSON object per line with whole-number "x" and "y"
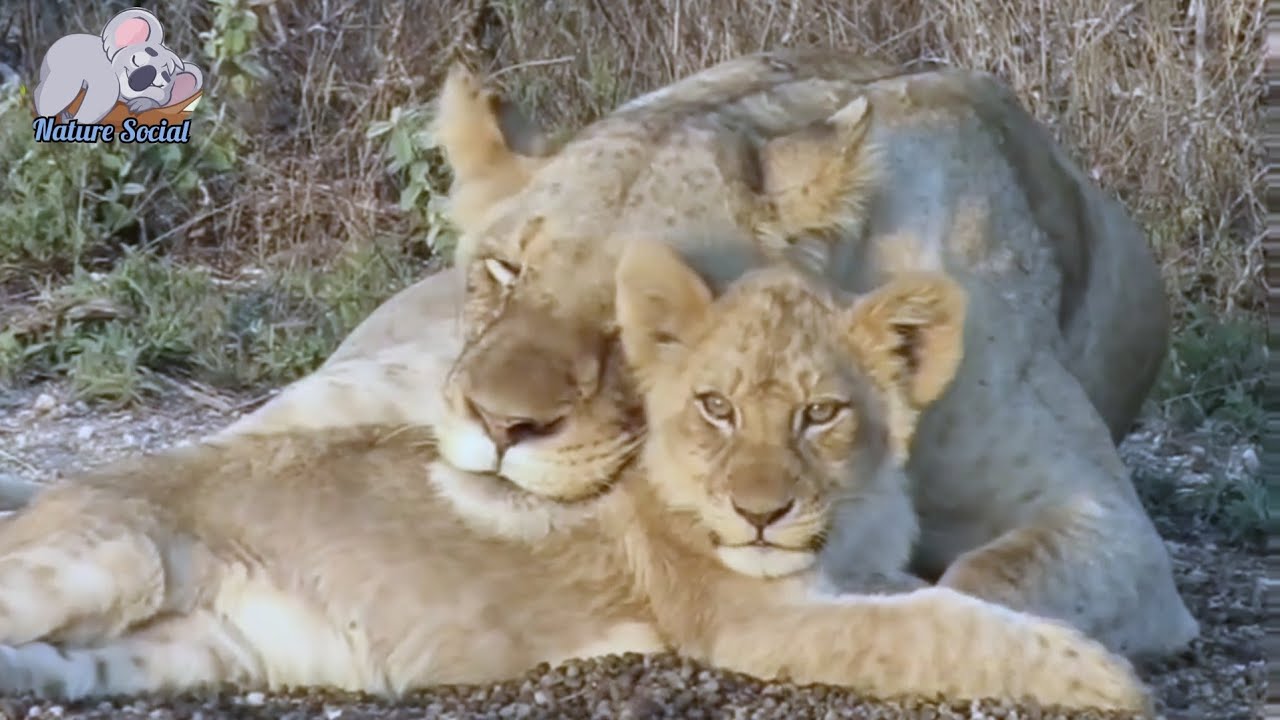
{"x": 131, "y": 27}
{"x": 660, "y": 301}
{"x": 491, "y": 146}
{"x": 909, "y": 335}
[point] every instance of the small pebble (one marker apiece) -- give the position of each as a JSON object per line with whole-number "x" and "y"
{"x": 44, "y": 403}
{"x": 1249, "y": 458}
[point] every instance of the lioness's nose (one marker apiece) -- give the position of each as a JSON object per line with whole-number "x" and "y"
{"x": 762, "y": 520}
{"x": 508, "y": 430}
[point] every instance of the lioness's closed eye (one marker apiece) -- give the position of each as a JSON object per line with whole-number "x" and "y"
{"x": 782, "y": 399}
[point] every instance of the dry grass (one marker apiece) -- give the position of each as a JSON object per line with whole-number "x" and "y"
{"x": 1160, "y": 98}
{"x": 310, "y": 192}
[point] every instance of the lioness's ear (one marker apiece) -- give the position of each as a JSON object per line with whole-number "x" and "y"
{"x": 491, "y": 146}
{"x": 817, "y": 179}
{"x": 659, "y": 300}
{"x": 909, "y": 334}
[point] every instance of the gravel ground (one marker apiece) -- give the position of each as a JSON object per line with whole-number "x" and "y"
{"x": 1220, "y": 677}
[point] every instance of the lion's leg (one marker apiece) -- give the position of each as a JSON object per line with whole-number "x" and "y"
{"x": 929, "y": 642}
{"x": 1033, "y": 508}
{"x": 178, "y": 652}
{"x": 1115, "y": 352}
{"x": 1104, "y": 571}
{"x": 66, "y": 574}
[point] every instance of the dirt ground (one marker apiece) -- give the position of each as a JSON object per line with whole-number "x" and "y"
{"x": 43, "y": 438}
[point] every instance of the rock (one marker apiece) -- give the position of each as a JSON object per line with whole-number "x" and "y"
{"x": 44, "y": 403}
{"x": 1249, "y": 459}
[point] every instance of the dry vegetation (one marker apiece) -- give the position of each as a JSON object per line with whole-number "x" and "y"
{"x": 311, "y": 155}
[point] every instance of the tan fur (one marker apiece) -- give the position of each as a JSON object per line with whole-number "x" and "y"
{"x": 777, "y": 404}
{"x": 814, "y": 405}
{"x": 310, "y": 558}
{"x": 860, "y": 171}
{"x": 332, "y": 558}
{"x": 869, "y": 174}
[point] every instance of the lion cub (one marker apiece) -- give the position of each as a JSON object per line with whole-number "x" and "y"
{"x": 772, "y": 409}
{"x": 344, "y": 558}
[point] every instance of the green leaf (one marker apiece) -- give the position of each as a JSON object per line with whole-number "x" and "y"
{"x": 401, "y": 149}
{"x": 409, "y": 196}
{"x": 112, "y": 162}
{"x": 419, "y": 172}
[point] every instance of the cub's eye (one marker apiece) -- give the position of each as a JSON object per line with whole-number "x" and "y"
{"x": 821, "y": 412}
{"x": 715, "y": 407}
{"x": 504, "y": 273}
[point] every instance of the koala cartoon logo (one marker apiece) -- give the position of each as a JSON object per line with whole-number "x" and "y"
{"x": 128, "y": 63}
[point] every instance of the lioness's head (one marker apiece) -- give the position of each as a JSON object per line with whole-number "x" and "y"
{"x": 540, "y": 394}
{"x": 772, "y": 403}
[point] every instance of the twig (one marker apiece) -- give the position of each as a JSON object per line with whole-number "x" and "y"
{"x": 533, "y": 63}
{"x": 255, "y": 401}
{"x": 1200, "y": 13}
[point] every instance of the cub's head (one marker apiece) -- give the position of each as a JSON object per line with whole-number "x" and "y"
{"x": 769, "y": 405}
{"x": 541, "y": 395}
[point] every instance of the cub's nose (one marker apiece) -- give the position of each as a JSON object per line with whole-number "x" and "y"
{"x": 142, "y": 78}
{"x": 763, "y": 519}
{"x": 507, "y": 430}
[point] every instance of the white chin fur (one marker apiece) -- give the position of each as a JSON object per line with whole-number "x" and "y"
{"x": 765, "y": 562}
{"x": 466, "y": 447}
{"x": 523, "y": 466}
{"x": 491, "y": 505}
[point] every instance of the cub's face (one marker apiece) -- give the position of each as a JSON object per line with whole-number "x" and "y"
{"x": 768, "y": 405}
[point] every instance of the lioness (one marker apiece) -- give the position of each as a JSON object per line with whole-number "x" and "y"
{"x": 1021, "y": 495}
{"x": 333, "y": 557}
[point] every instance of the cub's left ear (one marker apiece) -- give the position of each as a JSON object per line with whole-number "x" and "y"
{"x": 660, "y": 301}
{"x": 909, "y": 334}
